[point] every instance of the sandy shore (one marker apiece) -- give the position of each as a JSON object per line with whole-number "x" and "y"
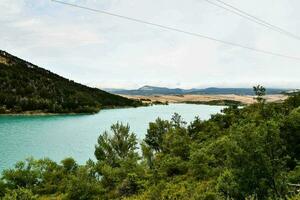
{"x": 204, "y": 98}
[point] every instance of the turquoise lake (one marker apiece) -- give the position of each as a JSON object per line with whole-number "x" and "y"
{"x": 60, "y": 136}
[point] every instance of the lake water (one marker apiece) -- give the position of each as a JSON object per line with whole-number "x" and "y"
{"x": 60, "y": 136}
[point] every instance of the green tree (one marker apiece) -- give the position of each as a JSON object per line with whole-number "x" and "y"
{"x": 121, "y": 145}
{"x": 156, "y": 132}
{"x": 24, "y": 175}
{"x": 118, "y": 161}
{"x": 241, "y": 153}
{"x": 258, "y": 161}
{"x": 19, "y": 194}
{"x": 82, "y": 186}
{"x": 259, "y": 91}
{"x": 290, "y": 132}
{"x": 69, "y": 164}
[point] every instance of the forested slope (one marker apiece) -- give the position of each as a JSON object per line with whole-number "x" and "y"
{"x": 243, "y": 153}
{"x": 27, "y": 87}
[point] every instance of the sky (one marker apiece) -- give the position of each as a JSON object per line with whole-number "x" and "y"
{"x": 107, "y": 52}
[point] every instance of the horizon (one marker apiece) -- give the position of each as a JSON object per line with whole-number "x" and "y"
{"x": 106, "y": 52}
{"x": 198, "y": 88}
{"x": 163, "y": 86}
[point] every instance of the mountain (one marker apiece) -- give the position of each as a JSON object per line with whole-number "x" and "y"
{"x": 147, "y": 90}
{"x": 151, "y": 90}
{"x": 25, "y": 87}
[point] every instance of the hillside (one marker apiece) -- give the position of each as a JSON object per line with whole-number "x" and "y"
{"x": 25, "y": 87}
{"x": 152, "y": 90}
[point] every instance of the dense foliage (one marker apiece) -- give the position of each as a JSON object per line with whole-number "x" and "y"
{"x": 224, "y": 102}
{"x": 26, "y": 87}
{"x": 242, "y": 153}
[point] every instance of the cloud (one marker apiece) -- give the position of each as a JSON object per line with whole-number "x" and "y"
{"x": 97, "y": 49}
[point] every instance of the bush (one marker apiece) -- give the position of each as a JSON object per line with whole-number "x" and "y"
{"x": 19, "y": 194}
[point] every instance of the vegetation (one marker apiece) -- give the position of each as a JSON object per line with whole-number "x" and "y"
{"x": 243, "y": 153}
{"x": 224, "y": 102}
{"x": 160, "y": 103}
{"x": 25, "y": 87}
{"x": 259, "y": 91}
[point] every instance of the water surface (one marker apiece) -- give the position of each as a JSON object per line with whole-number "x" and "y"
{"x": 61, "y": 136}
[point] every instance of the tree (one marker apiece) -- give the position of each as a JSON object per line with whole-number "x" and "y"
{"x": 258, "y": 160}
{"x": 82, "y": 186}
{"x": 242, "y": 153}
{"x": 121, "y": 145}
{"x": 155, "y": 133}
{"x": 24, "y": 175}
{"x": 259, "y": 91}
{"x": 290, "y": 132}
{"x": 118, "y": 161}
{"x": 20, "y": 194}
{"x": 69, "y": 164}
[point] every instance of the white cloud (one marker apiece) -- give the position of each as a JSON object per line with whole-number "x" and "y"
{"x": 102, "y": 50}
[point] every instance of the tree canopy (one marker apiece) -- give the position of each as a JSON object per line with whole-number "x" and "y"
{"x": 249, "y": 152}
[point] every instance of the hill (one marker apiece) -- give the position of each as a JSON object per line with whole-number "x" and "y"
{"x": 147, "y": 90}
{"x": 152, "y": 90}
{"x": 25, "y": 87}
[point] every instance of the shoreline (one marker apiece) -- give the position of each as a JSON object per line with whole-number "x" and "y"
{"x": 212, "y": 100}
{"x": 71, "y": 114}
{"x": 40, "y": 113}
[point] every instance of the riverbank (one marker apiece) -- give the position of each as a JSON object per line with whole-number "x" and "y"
{"x": 32, "y": 113}
{"x": 45, "y": 113}
{"x": 166, "y": 99}
{"x": 205, "y": 99}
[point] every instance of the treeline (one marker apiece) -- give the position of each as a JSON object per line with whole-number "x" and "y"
{"x": 26, "y": 87}
{"x": 224, "y": 102}
{"x": 242, "y": 153}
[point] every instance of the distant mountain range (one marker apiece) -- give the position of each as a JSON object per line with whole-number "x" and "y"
{"x": 25, "y": 87}
{"x": 152, "y": 90}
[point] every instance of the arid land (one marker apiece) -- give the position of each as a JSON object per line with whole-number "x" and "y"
{"x": 204, "y": 98}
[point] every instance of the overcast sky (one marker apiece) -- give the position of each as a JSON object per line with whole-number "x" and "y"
{"x": 100, "y": 50}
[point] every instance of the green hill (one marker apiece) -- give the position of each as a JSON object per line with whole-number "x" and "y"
{"x": 25, "y": 87}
